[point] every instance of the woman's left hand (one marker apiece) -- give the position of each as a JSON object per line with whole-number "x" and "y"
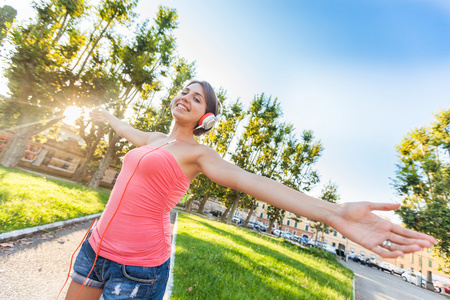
{"x": 357, "y": 222}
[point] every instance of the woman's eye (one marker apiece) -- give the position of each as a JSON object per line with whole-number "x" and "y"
{"x": 196, "y": 99}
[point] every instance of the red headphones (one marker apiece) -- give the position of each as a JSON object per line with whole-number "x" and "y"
{"x": 208, "y": 120}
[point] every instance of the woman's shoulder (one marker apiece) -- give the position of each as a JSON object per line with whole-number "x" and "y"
{"x": 155, "y": 136}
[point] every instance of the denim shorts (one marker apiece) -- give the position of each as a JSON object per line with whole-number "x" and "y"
{"x": 120, "y": 281}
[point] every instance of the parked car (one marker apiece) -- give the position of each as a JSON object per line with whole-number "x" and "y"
{"x": 216, "y": 213}
{"x": 329, "y": 248}
{"x": 411, "y": 276}
{"x": 251, "y": 224}
{"x": 287, "y": 235}
{"x": 395, "y": 269}
{"x": 260, "y": 226}
{"x": 358, "y": 258}
{"x": 235, "y": 220}
{"x": 440, "y": 286}
{"x": 276, "y": 232}
{"x": 383, "y": 266}
{"x": 300, "y": 240}
{"x": 373, "y": 263}
{"x": 352, "y": 256}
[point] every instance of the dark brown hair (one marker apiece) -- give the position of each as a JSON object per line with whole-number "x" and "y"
{"x": 212, "y": 104}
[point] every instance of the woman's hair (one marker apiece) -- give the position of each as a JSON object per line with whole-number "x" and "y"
{"x": 212, "y": 104}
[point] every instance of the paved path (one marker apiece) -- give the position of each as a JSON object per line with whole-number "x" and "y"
{"x": 35, "y": 267}
{"x": 373, "y": 284}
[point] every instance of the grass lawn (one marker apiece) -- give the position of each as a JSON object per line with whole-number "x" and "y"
{"x": 214, "y": 260}
{"x": 29, "y": 200}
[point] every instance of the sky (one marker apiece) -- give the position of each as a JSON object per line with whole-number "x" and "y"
{"x": 361, "y": 74}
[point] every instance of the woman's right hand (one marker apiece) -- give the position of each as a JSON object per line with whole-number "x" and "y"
{"x": 99, "y": 115}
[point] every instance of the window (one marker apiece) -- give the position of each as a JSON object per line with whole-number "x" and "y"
{"x": 352, "y": 250}
{"x": 279, "y": 227}
{"x": 286, "y": 229}
{"x": 344, "y": 237}
{"x": 334, "y": 244}
{"x": 295, "y": 225}
{"x": 266, "y": 223}
{"x": 261, "y": 215}
{"x": 306, "y": 227}
{"x": 402, "y": 266}
{"x": 362, "y": 253}
{"x": 327, "y": 230}
{"x": 412, "y": 258}
{"x": 335, "y": 233}
{"x": 263, "y": 206}
{"x": 257, "y": 204}
{"x": 294, "y": 232}
{"x": 325, "y": 242}
{"x": 430, "y": 263}
{"x": 288, "y": 222}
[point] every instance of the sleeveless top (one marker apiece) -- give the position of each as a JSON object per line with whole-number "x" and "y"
{"x": 139, "y": 234}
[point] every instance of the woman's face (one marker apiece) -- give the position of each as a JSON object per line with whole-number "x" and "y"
{"x": 190, "y": 105}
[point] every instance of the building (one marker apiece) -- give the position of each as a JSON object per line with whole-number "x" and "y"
{"x": 60, "y": 158}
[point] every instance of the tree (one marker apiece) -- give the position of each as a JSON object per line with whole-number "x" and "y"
{"x": 330, "y": 194}
{"x": 7, "y": 15}
{"x": 138, "y": 68}
{"x": 37, "y": 74}
{"x": 220, "y": 139}
{"x": 423, "y": 182}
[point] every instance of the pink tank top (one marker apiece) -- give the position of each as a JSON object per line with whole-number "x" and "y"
{"x": 139, "y": 234}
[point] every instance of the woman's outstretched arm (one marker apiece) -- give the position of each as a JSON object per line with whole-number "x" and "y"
{"x": 125, "y": 130}
{"x": 354, "y": 220}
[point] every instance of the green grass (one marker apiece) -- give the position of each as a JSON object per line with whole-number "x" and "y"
{"x": 214, "y": 260}
{"x": 28, "y": 200}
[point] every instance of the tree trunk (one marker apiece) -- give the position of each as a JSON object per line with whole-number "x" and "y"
{"x": 224, "y": 215}
{"x": 189, "y": 204}
{"x": 269, "y": 227}
{"x": 104, "y": 163}
{"x": 15, "y": 149}
{"x": 81, "y": 171}
{"x": 203, "y": 203}
{"x": 249, "y": 215}
{"x": 233, "y": 208}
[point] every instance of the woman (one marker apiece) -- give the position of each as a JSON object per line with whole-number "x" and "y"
{"x": 132, "y": 238}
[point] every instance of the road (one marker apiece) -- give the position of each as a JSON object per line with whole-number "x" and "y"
{"x": 372, "y": 284}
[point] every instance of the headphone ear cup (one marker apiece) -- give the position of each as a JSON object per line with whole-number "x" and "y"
{"x": 207, "y": 121}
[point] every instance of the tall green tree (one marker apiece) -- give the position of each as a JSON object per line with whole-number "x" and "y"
{"x": 7, "y": 15}
{"x": 36, "y": 72}
{"x": 296, "y": 159}
{"x": 423, "y": 182}
{"x": 140, "y": 67}
{"x": 264, "y": 118}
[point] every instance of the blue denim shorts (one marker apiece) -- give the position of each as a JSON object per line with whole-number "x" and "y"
{"x": 120, "y": 281}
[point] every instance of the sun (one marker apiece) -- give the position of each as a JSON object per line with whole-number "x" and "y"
{"x": 71, "y": 114}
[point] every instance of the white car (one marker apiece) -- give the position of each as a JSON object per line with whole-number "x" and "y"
{"x": 411, "y": 276}
{"x": 276, "y": 232}
{"x": 329, "y": 248}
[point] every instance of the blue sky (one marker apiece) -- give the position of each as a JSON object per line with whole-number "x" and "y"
{"x": 360, "y": 74}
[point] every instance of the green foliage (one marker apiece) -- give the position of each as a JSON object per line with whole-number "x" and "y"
{"x": 423, "y": 181}
{"x": 220, "y": 261}
{"x": 329, "y": 194}
{"x": 28, "y": 200}
{"x": 7, "y": 15}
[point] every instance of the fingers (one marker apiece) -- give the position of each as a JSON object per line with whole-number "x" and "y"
{"x": 384, "y": 206}
{"x": 425, "y": 240}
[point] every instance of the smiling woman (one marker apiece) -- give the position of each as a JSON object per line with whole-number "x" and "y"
{"x": 71, "y": 114}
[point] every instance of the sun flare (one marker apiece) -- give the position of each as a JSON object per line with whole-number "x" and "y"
{"x": 71, "y": 114}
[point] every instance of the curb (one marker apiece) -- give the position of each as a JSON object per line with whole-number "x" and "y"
{"x": 17, "y": 234}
